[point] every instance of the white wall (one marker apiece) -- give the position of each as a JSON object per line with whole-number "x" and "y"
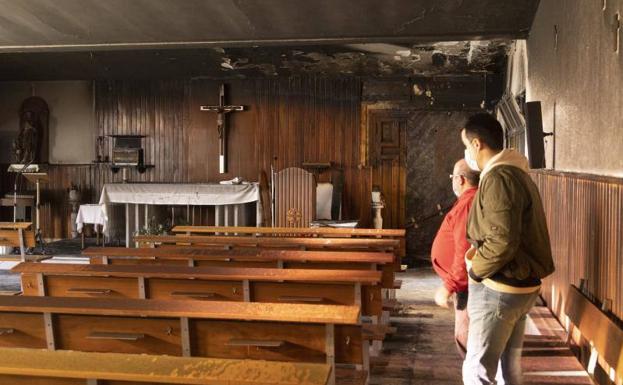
{"x": 72, "y": 126}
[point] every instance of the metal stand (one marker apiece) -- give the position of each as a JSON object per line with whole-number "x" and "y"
{"x": 37, "y": 178}
{"x": 19, "y": 169}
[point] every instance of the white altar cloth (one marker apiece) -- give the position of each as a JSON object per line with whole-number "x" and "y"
{"x": 179, "y": 194}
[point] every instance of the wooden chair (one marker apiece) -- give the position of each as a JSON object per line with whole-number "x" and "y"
{"x": 294, "y": 197}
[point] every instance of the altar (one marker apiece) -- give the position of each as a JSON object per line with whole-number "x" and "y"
{"x": 228, "y": 200}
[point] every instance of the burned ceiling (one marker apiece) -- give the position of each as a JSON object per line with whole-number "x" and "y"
{"x": 91, "y": 39}
{"x": 92, "y": 25}
{"x": 364, "y": 60}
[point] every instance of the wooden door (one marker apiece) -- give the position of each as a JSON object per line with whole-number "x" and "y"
{"x": 387, "y": 140}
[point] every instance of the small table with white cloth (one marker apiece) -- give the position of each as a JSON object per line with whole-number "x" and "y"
{"x": 95, "y": 215}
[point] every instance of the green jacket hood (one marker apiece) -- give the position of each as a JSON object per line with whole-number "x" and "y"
{"x": 506, "y": 157}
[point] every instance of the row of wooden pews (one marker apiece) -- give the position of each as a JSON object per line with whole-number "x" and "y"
{"x": 315, "y": 232}
{"x": 217, "y": 297}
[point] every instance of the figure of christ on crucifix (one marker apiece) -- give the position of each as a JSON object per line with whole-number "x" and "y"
{"x": 221, "y": 123}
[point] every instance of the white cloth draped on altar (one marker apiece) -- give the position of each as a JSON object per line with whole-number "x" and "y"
{"x": 180, "y": 194}
{"x": 222, "y": 196}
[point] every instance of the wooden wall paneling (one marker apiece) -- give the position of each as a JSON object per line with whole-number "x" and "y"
{"x": 298, "y": 119}
{"x": 585, "y": 220}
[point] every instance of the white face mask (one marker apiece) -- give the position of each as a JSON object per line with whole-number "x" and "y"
{"x": 456, "y": 191}
{"x": 471, "y": 162}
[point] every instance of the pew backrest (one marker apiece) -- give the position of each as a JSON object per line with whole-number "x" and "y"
{"x": 605, "y": 336}
{"x": 273, "y": 242}
{"x": 201, "y": 253}
{"x": 318, "y": 286}
{"x": 322, "y": 232}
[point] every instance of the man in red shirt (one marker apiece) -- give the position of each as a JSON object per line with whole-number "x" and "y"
{"x": 450, "y": 246}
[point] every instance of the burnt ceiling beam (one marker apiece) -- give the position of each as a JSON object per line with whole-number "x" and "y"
{"x": 258, "y": 43}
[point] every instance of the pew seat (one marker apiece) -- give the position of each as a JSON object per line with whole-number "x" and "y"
{"x": 329, "y": 334}
{"x": 20, "y": 366}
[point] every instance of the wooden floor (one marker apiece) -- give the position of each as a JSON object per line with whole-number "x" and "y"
{"x": 423, "y": 350}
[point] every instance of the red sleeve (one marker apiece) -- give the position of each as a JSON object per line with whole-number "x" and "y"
{"x": 458, "y": 270}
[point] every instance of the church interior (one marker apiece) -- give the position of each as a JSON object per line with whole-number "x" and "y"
{"x": 248, "y": 192}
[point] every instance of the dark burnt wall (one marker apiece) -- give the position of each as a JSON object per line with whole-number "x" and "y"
{"x": 437, "y": 108}
{"x": 433, "y": 146}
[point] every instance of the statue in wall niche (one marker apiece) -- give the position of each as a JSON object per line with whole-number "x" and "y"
{"x": 31, "y": 143}
{"x": 26, "y": 146}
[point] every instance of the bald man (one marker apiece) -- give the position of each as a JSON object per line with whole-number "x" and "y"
{"x": 450, "y": 246}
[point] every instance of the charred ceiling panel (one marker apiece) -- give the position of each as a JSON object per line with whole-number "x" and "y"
{"x": 88, "y": 25}
{"x": 364, "y": 60}
{"x": 446, "y": 92}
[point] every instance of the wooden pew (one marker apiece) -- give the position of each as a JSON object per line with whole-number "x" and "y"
{"x": 20, "y": 366}
{"x": 17, "y": 234}
{"x": 321, "y": 232}
{"x": 320, "y": 286}
{"x": 597, "y": 328}
{"x": 306, "y": 243}
{"x": 276, "y": 231}
{"x": 328, "y": 334}
{"x": 199, "y": 256}
{"x": 272, "y": 243}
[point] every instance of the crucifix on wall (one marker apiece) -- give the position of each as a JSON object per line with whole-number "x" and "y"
{"x": 221, "y": 111}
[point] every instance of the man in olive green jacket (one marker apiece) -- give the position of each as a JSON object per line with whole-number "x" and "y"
{"x": 510, "y": 254}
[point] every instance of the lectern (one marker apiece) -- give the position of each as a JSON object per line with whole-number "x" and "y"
{"x": 37, "y": 178}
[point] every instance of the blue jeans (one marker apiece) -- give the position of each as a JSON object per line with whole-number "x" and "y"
{"x": 497, "y": 323}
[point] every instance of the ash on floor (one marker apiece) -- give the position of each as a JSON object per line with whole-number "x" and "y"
{"x": 423, "y": 352}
